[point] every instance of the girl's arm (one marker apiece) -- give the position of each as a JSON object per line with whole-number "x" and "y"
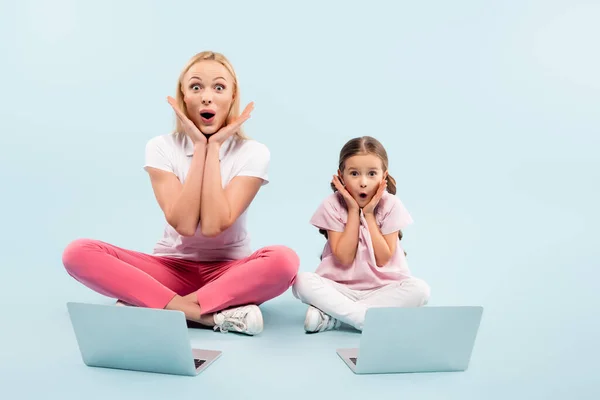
{"x": 344, "y": 244}
{"x": 384, "y": 246}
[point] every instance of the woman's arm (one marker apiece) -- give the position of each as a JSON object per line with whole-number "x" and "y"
{"x": 222, "y": 207}
{"x": 179, "y": 202}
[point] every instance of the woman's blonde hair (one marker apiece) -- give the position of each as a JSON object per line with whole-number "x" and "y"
{"x": 234, "y": 110}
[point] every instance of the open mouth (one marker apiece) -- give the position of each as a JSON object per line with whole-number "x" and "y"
{"x": 362, "y": 195}
{"x": 207, "y": 116}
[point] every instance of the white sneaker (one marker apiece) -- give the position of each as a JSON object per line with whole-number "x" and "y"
{"x": 317, "y": 321}
{"x": 121, "y": 303}
{"x": 245, "y": 319}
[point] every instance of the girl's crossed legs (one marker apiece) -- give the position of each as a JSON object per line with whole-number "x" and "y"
{"x": 333, "y": 302}
{"x": 223, "y": 294}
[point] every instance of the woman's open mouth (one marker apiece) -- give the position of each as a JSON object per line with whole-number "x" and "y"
{"x": 207, "y": 116}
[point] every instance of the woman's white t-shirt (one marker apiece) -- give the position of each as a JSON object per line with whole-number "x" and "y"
{"x": 238, "y": 157}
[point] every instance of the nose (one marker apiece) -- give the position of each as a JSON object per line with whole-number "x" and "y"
{"x": 206, "y": 101}
{"x": 363, "y": 182}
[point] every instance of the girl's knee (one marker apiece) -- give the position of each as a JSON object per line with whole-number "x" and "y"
{"x": 303, "y": 285}
{"x": 421, "y": 290}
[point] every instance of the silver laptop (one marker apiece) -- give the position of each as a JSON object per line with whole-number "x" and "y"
{"x": 422, "y": 339}
{"x": 137, "y": 339}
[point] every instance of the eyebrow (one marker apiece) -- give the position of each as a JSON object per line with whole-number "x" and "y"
{"x": 197, "y": 77}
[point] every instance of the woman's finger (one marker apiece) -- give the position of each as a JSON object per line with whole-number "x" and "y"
{"x": 248, "y": 109}
{"x": 178, "y": 112}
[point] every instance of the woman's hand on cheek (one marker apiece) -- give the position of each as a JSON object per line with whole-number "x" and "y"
{"x": 229, "y": 130}
{"x": 189, "y": 128}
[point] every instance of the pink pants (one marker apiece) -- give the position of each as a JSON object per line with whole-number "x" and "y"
{"x": 152, "y": 281}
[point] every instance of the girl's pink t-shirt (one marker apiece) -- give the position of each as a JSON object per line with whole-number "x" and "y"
{"x": 391, "y": 216}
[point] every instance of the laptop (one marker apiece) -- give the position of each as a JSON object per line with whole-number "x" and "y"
{"x": 420, "y": 339}
{"x": 137, "y": 339}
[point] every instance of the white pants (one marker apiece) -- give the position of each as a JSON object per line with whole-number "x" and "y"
{"x": 349, "y": 305}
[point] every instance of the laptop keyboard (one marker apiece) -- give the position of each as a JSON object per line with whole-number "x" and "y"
{"x": 353, "y": 359}
{"x": 198, "y": 362}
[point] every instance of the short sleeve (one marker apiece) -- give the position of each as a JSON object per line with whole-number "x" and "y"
{"x": 157, "y": 156}
{"x": 256, "y": 163}
{"x": 328, "y": 216}
{"x": 395, "y": 216}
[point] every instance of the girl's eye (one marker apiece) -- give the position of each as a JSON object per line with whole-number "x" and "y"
{"x": 353, "y": 173}
{"x": 220, "y": 87}
{"x": 195, "y": 87}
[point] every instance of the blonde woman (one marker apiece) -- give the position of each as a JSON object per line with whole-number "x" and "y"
{"x": 204, "y": 177}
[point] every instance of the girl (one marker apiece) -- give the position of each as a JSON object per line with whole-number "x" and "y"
{"x": 204, "y": 177}
{"x": 362, "y": 264}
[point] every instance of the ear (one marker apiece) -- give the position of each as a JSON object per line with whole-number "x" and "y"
{"x": 385, "y": 175}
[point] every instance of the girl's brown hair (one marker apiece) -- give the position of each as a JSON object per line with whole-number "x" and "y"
{"x": 361, "y": 146}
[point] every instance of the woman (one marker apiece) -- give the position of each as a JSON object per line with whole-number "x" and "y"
{"x": 204, "y": 177}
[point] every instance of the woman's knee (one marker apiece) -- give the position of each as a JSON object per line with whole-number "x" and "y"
{"x": 284, "y": 263}
{"x": 75, "y": 254}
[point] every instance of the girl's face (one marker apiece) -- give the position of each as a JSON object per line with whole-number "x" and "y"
{"x": 362, "y": 175}
{"x": 208, "y": 94}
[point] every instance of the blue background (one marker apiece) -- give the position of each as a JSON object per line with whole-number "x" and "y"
{"x": 488, "y": 110}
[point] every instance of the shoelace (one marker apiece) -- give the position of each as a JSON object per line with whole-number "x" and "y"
{"x": 326, "y": 322}
{"x": 235, "y": 320}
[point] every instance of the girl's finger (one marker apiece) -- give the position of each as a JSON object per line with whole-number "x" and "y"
{"x": 383, "y": 186}
{"x": 338, "y": 185}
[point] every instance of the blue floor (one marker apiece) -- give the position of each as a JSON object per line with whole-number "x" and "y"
{"x": 524, "y": 353}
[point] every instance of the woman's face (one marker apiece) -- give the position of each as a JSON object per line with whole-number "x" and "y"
{"x": 208, "y": 95}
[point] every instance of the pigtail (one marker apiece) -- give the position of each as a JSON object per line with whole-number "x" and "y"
{"x": 391, "y": 188}
{"x": 391, "y": 184}
{"x": 333, "y": 187}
